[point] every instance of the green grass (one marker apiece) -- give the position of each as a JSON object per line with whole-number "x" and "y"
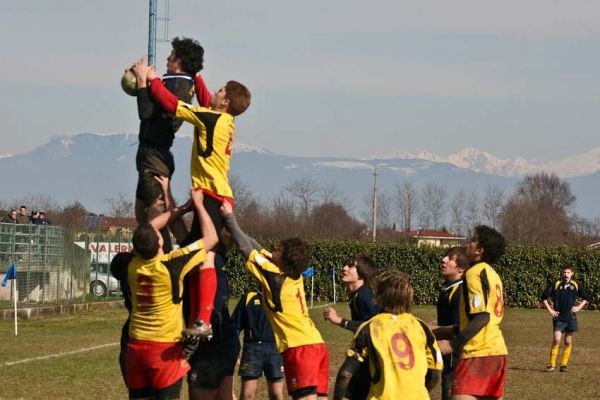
{"x": 95, "y": 374}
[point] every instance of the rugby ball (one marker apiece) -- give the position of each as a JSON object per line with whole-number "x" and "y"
{"x": 129, "y": 83}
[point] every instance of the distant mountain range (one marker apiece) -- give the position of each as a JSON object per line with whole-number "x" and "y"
{"x": 90, "y": 168}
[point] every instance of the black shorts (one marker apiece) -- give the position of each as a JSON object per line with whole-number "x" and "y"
{"x": 216, "y": 359}
{"x": 360, "y": 383}
{"x": 168, "y": 393}
{"x": 259, "y": 357}
{"x": 565, "y": 326}
{"x": 150, "y": 162}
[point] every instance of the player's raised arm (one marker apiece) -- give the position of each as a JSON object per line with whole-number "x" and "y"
{"x": 144, "y": 102}
{"x": 161, "y": 221}
{"x": 177, "y": 226}
{"x": 243, "y": 241}
{"x": 209, "y": 234}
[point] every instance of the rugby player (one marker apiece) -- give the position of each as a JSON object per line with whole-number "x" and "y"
{"x": 154, "y": 363}
{"x": 403, "y": 356}
{"x": 357, "y": 274}
{"x": 560, "y": 298}
{"x": 305, "y": 355}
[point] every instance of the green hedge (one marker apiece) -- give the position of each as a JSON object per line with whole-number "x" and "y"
{"x": 525, "y": 270}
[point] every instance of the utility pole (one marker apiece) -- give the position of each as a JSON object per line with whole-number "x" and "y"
{"x": 374, "y": 216}
{"x": 152, "y": 19}
{"x": 152, "y": 33}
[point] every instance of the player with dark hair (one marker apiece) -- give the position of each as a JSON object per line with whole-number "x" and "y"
{"x": 560, "y": 298}
{"x": 259, "y": 354}
{"x": 296, "y": 336}
{"x": 481, "y": 369}
{"x": 357, "y": 274}
{"x": 403, "y": 357}
{"x": 154, "y": 362}
{"x": 157, "y": 127}
{"x": 453, "y": 266}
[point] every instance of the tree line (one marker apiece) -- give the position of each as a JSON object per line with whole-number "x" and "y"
{"x": 540, "y": 210}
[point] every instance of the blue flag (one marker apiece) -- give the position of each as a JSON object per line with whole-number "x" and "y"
{"x": 330, "y": 273}
{"x": 10, "y": 274}
{"x": 309, "y": 272}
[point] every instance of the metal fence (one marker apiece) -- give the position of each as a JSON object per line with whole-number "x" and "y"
{"x": 56, "y": 265}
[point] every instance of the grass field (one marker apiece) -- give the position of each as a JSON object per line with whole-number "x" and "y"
{"x": 49, "y": 360}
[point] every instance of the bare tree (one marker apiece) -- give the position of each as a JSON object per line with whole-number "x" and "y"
{"x": 406, "y": 198}
{"x": 241, "y": 192}
{"x": 458, "y": 212}
{"x": 304, "y": 192}
{"x": 433, "y": 205}
{"x": 331, "y": 193}
{"x": 384, "y": 216}
{"x": 472, "y": 212}
{"x": 492, "y": 204}
{"x": 538, "y": 211}
{"x": 121, "y": 206}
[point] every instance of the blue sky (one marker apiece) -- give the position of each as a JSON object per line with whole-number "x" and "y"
{"x": 337, "y": 78}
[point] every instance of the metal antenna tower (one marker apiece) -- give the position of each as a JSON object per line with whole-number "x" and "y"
{"x": 152, "y": 20}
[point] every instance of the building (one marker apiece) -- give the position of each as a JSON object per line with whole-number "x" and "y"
{"x": 432, "y": 237}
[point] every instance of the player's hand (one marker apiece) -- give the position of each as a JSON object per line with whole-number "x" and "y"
{"x": 140, "y": 69}
{"x": 554, "y": 313}
{"x": 445, "y": 347}
{"x": 332, "y": 316}
{"x": 196, "y": 195}
{"x": 163, "y": 181}
{"x": 151, "y": 75}
{"x": 226, "y": 208}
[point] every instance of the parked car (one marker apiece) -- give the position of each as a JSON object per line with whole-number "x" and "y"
{"x": 101, "y": 282}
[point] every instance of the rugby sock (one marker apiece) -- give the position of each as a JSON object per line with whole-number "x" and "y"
{"x": 208, "y": 289}
{"x": 553, "y": 354}
{"x": 194, "y": 288}
{"x": 566, "y": 355}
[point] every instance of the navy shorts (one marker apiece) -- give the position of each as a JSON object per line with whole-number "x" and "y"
{"x": 215, "y": 359}
{"x": 259, "y": 357}
{"x": 565, "y": 326}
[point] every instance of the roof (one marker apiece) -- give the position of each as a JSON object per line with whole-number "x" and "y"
{"x": 433, "y": 234}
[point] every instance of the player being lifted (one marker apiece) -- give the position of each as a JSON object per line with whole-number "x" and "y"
{"x": 481, "y": 369}
{"x": 158, "y": 128}
{"x": 560, "y": 298}
{"x": 305, "y": 356}
{"x": 401, "y": 351}
{"x": 154, "y": 362}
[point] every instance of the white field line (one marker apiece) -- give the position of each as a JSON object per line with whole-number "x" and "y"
{"x": 65, "y": 353}
{"x": 321, "y": 306}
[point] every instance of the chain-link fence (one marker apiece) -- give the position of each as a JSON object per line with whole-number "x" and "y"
{"x": 56, "y": 265}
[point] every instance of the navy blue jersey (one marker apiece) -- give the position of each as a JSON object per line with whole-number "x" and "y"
{"x": 448, "y": 303}
{"x": 362, "y": 304}
{"x": 249, "y": 316}
{"x": 563, "y": 297}
{"x": 362, "y": 308}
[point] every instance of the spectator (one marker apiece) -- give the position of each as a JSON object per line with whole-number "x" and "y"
{"x": 33, "y": 218}
{"x": 42, "y": 220}
{"x": 22, "y": 217}
{"x": 11, "y": 217}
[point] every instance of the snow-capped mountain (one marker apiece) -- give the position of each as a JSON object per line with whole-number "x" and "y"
{"x": 481, "y": 161}
{"x": 91, "y": 168}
